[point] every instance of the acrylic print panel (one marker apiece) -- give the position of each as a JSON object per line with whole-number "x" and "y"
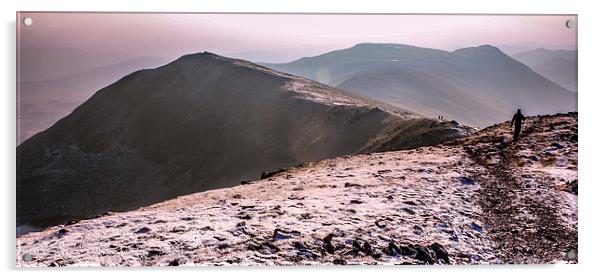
{"x": 296, "y": 139}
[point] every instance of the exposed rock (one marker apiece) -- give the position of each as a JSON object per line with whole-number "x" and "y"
{"x": 339, "y": 262}
{"x": 268, "y": 174}
{"x": 71, "y": 222}
{"x": 281, "y": 234}
{"x": 424, "y": 255}
{"x": 155, "y": 253}
{"x": 142, "y": 230}
{"x": 328, "y": 243}
{"x": 440, "y": 252}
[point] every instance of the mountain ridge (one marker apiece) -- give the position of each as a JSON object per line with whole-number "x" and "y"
{"x": 475, "y": 85}
{"x": 201, "y": 122}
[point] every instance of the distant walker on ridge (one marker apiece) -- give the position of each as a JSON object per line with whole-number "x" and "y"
{"x": 518, "y": 120}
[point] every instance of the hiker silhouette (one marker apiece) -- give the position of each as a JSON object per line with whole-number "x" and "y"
{"x": 517, "y": 121}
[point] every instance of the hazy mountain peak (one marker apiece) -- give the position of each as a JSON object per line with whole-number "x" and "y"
{"x": 389, "y": 45}
{"x": 480, "y": 51}
{"x": 203, "y": 55}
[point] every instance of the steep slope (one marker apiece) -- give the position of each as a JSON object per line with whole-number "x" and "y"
{"x": 43, "y": 102}
{"x": 559, "y": 66}
{"x": 201, "y": 122}
{"x": 479, "y": 86}
{"x": 481, "y": 199}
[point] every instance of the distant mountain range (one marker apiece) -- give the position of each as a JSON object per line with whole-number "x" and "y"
{"x": 201, "y": 122}
{"x": 559, "y": 66}
{"x": 43, "y": 102}
{"x": 479, "y": 86}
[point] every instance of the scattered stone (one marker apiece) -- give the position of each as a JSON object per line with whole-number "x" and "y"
{"x": 62, "y": 232}
{"x": 27, "y": 257}
{"x": 58, "y": 263}
{"x": 263, "y": 248}
{"x": 295, "y": 197}
{"x": 557, "y": 145}
{"x": 299, "y": 245}
{"x": 174, "y": 262}
{"x": 142, "y": 230}
{"x": 245, "y": 182}
{"x": 367, "y": 248}
{"x": 381, "y": 223}
{"x": 281, "y": 234}
{"x": 570, "y": 187}
{"x": 407, "y": 251}
{"x": 154, "y": 253}
{"x": 409, "y": 210}
{"x": 222, "y": 246}
{"x": 466, "y": 181}
{"x": 268, "y": 174}
{"x": 243, "y": 215}
{"x": 392, "y": 250}
{"x": 476, "y": 227}
{"x": 305, "y": 216}
{"x": 423, "y": 255}
{"x": 410, "y": 203}
{"x": 440, "y": 252}
{"x": 356, "y": 245}
{"x": 71, "y": 222}
{"x": 328, "y": 243}
{"x": 550, "y": 238}
{"x": 339, "y": 262}
{"x": 356, "y": 202}
{"x": 418, "y": 230}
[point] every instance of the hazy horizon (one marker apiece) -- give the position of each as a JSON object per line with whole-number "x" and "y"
{"x": 279, "y": 38}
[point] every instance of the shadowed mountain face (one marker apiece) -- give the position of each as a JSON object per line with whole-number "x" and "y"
{"x": 201, "y": 122}
{"x": 559, "y": 66}
{"x": 478, "y": 86}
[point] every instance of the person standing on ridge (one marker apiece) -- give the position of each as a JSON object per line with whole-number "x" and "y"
{"x": 517, "y": 120}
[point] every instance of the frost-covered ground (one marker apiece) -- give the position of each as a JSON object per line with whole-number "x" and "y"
{"x": 481, "y": 199}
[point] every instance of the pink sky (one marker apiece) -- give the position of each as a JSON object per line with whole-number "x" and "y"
{"x": 282, "y": 37}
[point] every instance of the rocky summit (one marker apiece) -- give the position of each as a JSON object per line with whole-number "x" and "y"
{"x": 480, "y": 199}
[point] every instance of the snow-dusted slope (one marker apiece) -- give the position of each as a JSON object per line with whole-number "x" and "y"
{"x": 481, "y": 199}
